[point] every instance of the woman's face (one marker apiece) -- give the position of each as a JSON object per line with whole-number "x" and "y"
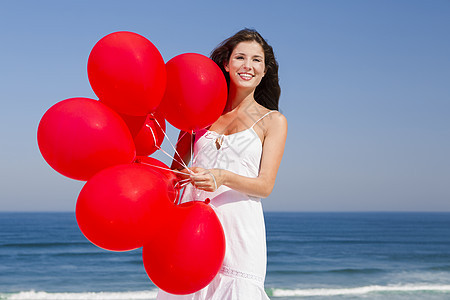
{"x": 246, "y": 65}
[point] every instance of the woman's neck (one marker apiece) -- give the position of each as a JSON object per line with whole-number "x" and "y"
{"x": 238, "y": 98}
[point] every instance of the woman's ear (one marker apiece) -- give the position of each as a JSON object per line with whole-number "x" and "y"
{"x": 225, "y": 66}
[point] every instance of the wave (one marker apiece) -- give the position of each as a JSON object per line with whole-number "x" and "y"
{"x": 332, "y": 271}
{"x": 43, "y": 244}
{"x": 276, "y": 292}
{"x": 79, "y": 254}
{"x": 444, "y": 268}
{"x": 357, "y": 271}
{"x": 277, "y": 241}
{"x": 34, "y": 295}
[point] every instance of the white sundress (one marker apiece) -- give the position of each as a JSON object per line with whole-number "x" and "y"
{"x": 244, "y": 267}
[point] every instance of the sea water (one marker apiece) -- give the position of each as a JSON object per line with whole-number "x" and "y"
{"x": 310, "y": 256}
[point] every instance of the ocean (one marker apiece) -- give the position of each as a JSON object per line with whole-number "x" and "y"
{"x": 310, "y": 256}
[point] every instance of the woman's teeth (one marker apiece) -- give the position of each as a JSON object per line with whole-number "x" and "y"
{"x": 246, "y": 76}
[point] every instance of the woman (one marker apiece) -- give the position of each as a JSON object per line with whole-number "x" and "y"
{"x": 235, "y": 164}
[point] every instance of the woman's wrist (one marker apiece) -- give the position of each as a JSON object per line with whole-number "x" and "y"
{"x": 223, "y": 175}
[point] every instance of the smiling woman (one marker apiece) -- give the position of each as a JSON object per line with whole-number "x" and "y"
{"x": 267, "y": 93}
{"x": 235, "y": 163}
{"x": 246, "y": 65}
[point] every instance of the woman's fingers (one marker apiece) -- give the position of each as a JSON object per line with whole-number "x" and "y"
{"x": 201, "y": 177}
{"x": 198, "y": 170}
{"x": 203, "y": 181}
{"x": 208, "y": 180}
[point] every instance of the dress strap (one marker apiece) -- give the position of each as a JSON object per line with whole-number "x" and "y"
{"x": 262, "y": 118}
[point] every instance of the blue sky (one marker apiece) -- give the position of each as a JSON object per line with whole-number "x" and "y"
{"x": 365, "y": 89}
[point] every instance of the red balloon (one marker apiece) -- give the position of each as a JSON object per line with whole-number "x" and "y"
{"x": 196, "y": 92}
{"x": 120, "y": 208}
{"x": 145, "y": 131}
{"x": 186, "y": 256}
{"x": 158, "y": 166}
{"x": 79, "y": 137}
{"x": 163, "y": 169}
{"x": 127, "y": 72}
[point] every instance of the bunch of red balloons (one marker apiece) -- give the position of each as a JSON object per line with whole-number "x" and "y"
{"x": 129, "y": 199}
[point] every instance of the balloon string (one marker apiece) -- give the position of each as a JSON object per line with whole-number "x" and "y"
{"x": 181, "y": 183}
{"x": 153, "y": 134}
{"x": 173, "y": 147}
{"x": 184, "y": 133}
{"x": 159, "y": 148}
{"x": 178, "y": 185}
{"x": 163, "y": 168}
{"x": 192, "y": 146}
{"x": 200, "y": 150}
{"x": 184, "y": 182}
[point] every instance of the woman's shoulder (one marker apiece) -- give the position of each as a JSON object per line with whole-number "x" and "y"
{"x": 270, "y": 120}
{"x": 277, "y": 121}
{"x": 274, "y": 117}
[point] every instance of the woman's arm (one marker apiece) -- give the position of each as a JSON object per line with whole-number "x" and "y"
{"x": 261, "y": 186}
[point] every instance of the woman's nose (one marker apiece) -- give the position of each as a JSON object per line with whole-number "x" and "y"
{"x": 247, "y": 64}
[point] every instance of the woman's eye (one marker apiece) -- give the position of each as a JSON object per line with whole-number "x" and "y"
{"x": 239, "y": 57}
{"x": 257, "y": 60}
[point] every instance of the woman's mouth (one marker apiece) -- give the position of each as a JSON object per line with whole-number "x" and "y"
{"x": 246, "y": 76}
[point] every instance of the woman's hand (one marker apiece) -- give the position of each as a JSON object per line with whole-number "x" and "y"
{"x": 208, "y": 180}
{"x": 182, "y": 174}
